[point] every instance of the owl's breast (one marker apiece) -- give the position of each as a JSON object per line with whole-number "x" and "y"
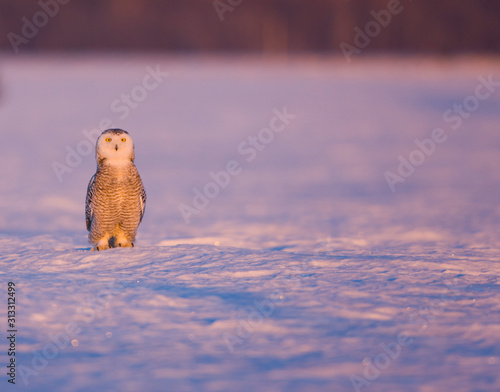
{"x": 119, "y": 184}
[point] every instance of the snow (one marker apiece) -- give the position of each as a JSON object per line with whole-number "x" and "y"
{"x": 305, "y": 273}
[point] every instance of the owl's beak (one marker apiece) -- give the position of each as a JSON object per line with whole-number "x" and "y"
{"x": 116, "y": 147}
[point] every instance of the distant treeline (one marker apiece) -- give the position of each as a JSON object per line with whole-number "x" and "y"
{"x": 444, "y": 26}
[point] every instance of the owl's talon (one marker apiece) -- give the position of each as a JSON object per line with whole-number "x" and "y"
{"x": 101, "y": 245}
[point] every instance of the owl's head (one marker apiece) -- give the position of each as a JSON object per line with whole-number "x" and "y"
{"x": 115, "y": 146}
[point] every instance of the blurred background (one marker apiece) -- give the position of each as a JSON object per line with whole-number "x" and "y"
{"x": 371, "y": 256}
{"x": 267, "y": 26}
{"x": 67, "y": 65}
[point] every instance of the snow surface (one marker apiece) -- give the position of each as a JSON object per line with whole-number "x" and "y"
{"x": 305, "y": 273}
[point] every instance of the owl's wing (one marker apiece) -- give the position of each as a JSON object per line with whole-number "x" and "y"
{"x": 89, "y": 204}
{"x": 142, "y": 200}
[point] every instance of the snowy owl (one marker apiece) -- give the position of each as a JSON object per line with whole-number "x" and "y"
{"x": 116, "y": 198}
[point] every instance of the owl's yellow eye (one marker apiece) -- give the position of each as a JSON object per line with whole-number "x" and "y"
{"x": 108, "y": 139}
{"x": 124, "y": 140}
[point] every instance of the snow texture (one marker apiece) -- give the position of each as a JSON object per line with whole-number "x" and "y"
{"x": 306, "y": 272}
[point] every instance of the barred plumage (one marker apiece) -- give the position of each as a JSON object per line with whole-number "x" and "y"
{"x": 116, "y": 199}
